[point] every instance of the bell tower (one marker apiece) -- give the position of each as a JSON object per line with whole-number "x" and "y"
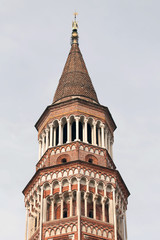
{"x": 76, "y": 192}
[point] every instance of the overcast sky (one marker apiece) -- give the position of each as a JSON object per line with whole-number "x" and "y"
{"x": 120, "y": 43}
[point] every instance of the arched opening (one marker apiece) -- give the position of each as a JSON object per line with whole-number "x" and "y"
{"x": 96, "y": 135}
{"x": 90, "y": 160}
{"x": 64, "y": 160}
{"x": 35, "y": 223}
{"x": 90, "y": 206}
{"x": 74, "y": 203}
{"x": 73, "y": 130}
{"x": 57, "y": 135}
{"x": 48, "y": 217}
{"x": 80, "y": 131}
{"x": 65, "y": 133}
{"x": 90, "y": 213}
{"x": 82, "y": 204}
{"x": 65, "y": 213}
{"x": 107, "y": 211}
{"x": 89, "y": 133}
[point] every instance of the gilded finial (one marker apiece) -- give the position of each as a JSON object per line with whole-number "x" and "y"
{"x": 74, "y": 29}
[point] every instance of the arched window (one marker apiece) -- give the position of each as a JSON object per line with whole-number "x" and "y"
{"x": 65, "y": 133}
{"x": 64, "y": 160}
{"x": 57, "y": 135}
{"x": 89, "y": 137}
{"x": 73, "y": 131}
{"x": 97, "y": 136}
{"x": 65, "y": 213}
{"x": 90, "y": 213}
{"x": 90, "y": 160}
{"x": 80, "y": 131}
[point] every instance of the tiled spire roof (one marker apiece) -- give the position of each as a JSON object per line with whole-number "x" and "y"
{"x": 75, "y": 80}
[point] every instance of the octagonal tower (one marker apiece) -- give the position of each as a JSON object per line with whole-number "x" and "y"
{"x": 76, "y": 192}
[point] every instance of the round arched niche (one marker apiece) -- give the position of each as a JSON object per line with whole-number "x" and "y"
{"x": 64, "y": 158}
{"x": 91, "y": 159}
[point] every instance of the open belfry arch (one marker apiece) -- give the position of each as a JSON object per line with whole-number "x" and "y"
{"x": 76, "y": 191}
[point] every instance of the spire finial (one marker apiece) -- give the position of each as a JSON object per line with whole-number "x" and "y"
{"x": 74, "y": 29}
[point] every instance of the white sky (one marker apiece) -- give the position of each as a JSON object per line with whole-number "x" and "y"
{"x": 120, "y": 43}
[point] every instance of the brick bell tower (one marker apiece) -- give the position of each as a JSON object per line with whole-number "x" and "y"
{"x": 76, "y": 191}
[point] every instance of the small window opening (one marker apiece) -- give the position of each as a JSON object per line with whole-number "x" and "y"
{"x": 64, "y": 160}
{"x": 90, "y": 160}
{"x": 91, "y": 214}
{"x": 65, "y": 213}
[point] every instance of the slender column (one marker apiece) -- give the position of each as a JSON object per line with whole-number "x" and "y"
{"x": 60, "y": 133}
{"x": 102, "y": 135}
{"x": 68, "y": 131}
{"x": 47, "y": 131}
{"x": 85, "y": 130}
{"x": 99, "y": 137}
{"x": 108, "y": 143}
{"x": 54, "y": 137}
{"x": 51, "y": 135}
{"x": 94, "y": 207}
{"x": 53, "y": 214}
{"x": 79, "y": 209}
{"x": 43, "y": 149}
{"x": 77, "y": 128}
{"x": 111, "y": 211}
{"x": 105, "y": 137}
{"x": 26, "y": 224}
{"x": 71, "y": 204}
{"x": 94, "y": 133}
{"x": 114, "y": 215}
{"x": 125, "y": 222}
{"x": 111, "y": 148}
{"x": 61, "y": 207}
{"x": 41, "y": 214}
{"x": 87, "y": 183}
{"x": 40, "y": 148}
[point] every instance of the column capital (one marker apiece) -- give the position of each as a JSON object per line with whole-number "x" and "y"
{"x": 94, "y": 122}
{"x": 43, "y": 135}
{"x": 95, "y": 197}
{"x": 104, "y": 199}
{"x": 102, "y": 125}
{"x": 86, "y": 195}
{"x": 50, "y": 124}
{"x": 85, "y": 120}
{"x": 77, "y": 117}
{"x": 46, "y": 129}
{"x": 40, "y": 140}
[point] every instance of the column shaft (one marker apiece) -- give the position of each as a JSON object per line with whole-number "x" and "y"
{"x": 68, "y": 131}
{"x": 51, "y": 135}
{"x": 85, "y": 131}
{"x": 94, "y": 208}
{"x": 77, "y": 128}
{"x": 102, "y": 135}
{"x": 40, "y": 148}
{"x": 47, "y": 131}
{"x": 54, "y": 137}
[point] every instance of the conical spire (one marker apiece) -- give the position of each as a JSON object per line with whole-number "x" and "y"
{"x": 75, "y": 80}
